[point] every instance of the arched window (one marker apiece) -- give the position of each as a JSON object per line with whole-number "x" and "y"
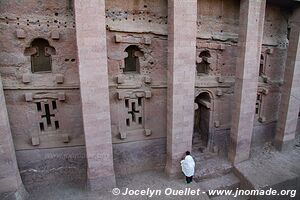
{"x": 40, "y": 52}
{"x": 204, "y": 66}
{"x": 132, "y": 63}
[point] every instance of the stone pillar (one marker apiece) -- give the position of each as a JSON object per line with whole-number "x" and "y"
{"x": 93, "y": 75}
{"x": 251, "y": 21}
{"x": 290, "y": 93}
{"x": 182, "y": 16}
{"x": 11, "y": 186}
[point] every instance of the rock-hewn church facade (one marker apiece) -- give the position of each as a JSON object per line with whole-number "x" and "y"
{"x": 93, "y": 89}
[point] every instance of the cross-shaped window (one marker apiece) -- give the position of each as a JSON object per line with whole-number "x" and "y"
{"x": 48, "y": 114}
{"x": 134, "y": 107}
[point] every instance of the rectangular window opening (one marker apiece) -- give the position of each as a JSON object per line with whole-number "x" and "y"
{"x": 56, "y": 125}
{"x": 42, "y": 128}
{"x": 38, "y": 106}
{"x": 54, "y": 106}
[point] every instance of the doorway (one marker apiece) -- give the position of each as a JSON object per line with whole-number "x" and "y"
{"x": 202, "y": 120}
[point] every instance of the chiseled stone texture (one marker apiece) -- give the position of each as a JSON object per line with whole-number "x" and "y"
{"x": 182, "y": 15}
{"x": 271, "y": 169}
{"x": 10, "y": 180}
{"x": 39, "y": 20}
{"x": 42, "y": 167}
{"x": 252, "y": 14}
{"x": 92, "y": 57}
{"x": 26, "y": 125}
{"x": 290, "y": 98}
{"x": 139, "y": 156}
{"x": 262, "y": 134}
{"x": 135, "y": 23}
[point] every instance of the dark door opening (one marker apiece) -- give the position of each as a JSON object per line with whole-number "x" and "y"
{"x": 202, "y": 121}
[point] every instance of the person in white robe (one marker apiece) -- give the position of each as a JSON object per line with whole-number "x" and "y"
{"x": 188, "y": 167}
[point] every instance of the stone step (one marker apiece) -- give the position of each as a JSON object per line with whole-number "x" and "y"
{"x": 226, "y": 182}
{"x": 277, "y": 170}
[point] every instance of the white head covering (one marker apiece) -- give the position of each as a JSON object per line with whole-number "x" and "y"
{"x": 188, "y": 166}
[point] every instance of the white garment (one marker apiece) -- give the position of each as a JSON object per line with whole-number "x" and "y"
{"x": 188, "y": 166}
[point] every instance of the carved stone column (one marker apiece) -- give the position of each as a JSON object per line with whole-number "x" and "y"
{"x": 252, "y": 13}
{"x": 11, "y": 186}
{"x": 290, "y": 96}
{"x": 182, "y": 16}
{"x": 93, "y": 74}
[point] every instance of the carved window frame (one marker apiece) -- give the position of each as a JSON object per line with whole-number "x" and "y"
{"x": 33, "y": 51}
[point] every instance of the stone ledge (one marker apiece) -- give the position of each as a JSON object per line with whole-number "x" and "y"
{"x": 277, "y": 170}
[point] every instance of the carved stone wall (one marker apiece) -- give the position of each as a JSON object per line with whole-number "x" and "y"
{"x": 29, "y": 118}
{"x": 138, "y": 99}
{"x": 219, "y": 20}
{"x": 54, "y": 22}
{"x": 43, "y": 106}
{"x": 218, "y": 24}
{"x": 144, "y": 90}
